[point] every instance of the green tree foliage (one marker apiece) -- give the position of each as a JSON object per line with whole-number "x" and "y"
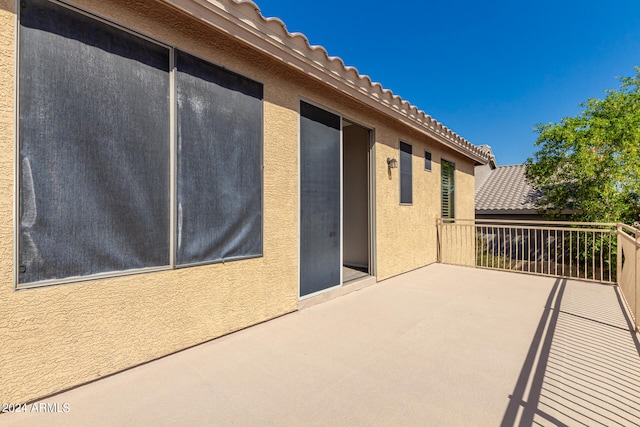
{"x": 590, "y": 163}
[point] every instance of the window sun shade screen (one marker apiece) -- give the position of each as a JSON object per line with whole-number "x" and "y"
{"x": 406, "y": 187}
{"x": 219, "y": 163}
{"x": 94, "y": 146}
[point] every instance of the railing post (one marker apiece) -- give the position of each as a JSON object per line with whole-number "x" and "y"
{"x": 635, "y": 281}
{"x": 618, "y": 253}
{"x": 439, "y": 239}
{"x": 474, "y": 236}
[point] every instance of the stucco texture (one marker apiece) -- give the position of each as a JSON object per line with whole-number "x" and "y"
{"x": 406, "y": 234}
{"x": 59, "y": 336}
{"x": 56, "y": 337}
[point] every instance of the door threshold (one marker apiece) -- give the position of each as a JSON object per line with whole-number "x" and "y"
{"x": 351, "y": 273}
{"x": 346, "y": 288}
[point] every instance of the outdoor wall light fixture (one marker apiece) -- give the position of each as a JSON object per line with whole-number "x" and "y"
{"x": 392, "y": 163}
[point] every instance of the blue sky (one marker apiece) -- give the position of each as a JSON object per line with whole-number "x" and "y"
{"x": 488, "y": 70}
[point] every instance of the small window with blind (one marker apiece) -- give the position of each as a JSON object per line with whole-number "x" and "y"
{"x": 427, "y": 161}
{"x": 448, "y": 189}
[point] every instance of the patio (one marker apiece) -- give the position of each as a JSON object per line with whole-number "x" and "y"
{"x": 442, "y": 345}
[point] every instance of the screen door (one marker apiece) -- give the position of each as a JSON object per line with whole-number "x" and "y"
{"x": 320, "y": 231}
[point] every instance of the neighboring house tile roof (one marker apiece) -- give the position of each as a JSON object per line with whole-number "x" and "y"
{"x": 243, "y": 20}
{"x": 506, "y": 190}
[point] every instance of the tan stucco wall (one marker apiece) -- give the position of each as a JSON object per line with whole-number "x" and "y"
{"x": 406, "y": 234}
{"x": 56, "y": 337}
{"x": 59, "y": 336}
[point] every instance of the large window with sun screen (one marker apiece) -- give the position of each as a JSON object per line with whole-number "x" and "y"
{"x": 94, "y": 146}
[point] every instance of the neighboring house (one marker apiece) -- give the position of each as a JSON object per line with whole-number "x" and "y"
{"x": 174, "y": 171}
{"x": 506, "y": 194}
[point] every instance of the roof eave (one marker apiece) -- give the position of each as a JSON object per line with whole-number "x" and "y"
{"x": 506, "y": 211}
{"x": 243, "y": 21}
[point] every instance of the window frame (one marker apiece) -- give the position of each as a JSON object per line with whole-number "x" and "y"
{"x": 176, "y": 123}
{"x": 172, "y": 162}
{"x": 62, "y": 270}
{"x": 451, "y": 189}
{"x": 428, "y": 157}
{"x": 407, "y": 162}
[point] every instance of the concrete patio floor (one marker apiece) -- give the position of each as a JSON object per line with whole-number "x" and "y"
{"x": 440, "y": 346}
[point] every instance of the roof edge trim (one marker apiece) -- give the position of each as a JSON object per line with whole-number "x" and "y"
{"x": 242, "y": 20}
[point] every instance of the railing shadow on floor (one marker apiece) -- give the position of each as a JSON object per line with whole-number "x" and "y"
{"x": 582, "y": 368}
